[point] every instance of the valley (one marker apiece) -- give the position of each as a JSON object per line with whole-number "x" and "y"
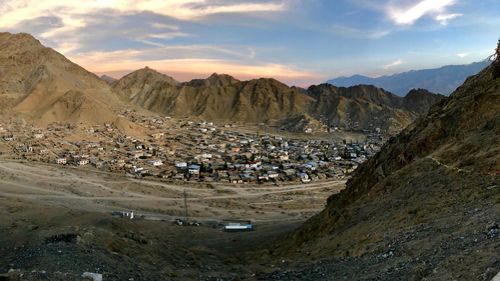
{"x": 81, "y": 202}
{"x": 89, "y": 190}
{"x": 146, "y": 177}
{"x": 178, "y": 150}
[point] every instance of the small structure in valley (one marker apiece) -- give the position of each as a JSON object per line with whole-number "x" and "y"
{"x": 237, "y": 225}
{"x": 124, "y": 214}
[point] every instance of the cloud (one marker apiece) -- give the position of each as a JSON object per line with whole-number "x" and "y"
{"x": 379, "y": 34}
{"x": 160, "y": 25}
{"x": 354, "y": 32}
{"x": 14, "y": 11}
{"x": 463, "y": 55}
{"x": 393, "y": 64}
{"x": 73, "y": 26}
{"x": 445, "y": 18}
{"x": 245, "y": 7}
{"x": 410, "y": 14}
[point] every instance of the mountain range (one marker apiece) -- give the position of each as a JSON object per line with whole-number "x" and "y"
{"x": 42, "y": 85}
{"x": 443, "y": 80}
{"x": 222, "y": 97}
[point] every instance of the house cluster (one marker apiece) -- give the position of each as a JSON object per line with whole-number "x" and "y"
{"x": 235, "y": 157}
{"x": 184, "y": 150}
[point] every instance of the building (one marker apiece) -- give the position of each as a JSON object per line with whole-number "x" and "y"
{"x": 136, "y": 169}
{"x": 304, "y": 177}
{"x": 237, "y": 225}
{"x": 194, "y": 169}
{"x": 82, "y": 162}
{"x": 155, "y": 163}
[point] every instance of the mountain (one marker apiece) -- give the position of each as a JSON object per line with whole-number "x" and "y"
{"x": 366, "y": 106}
{"x": 146, "y": 88}
{"x": 443, "y": 80}
{"x": 224, "y": 98}
{"x": 219, "y": 97}
{"x": 420, "y": 100}
{"x": 426, "y": 207}
{"x": 42, "y": 85}
{"x": 108, "y": 79}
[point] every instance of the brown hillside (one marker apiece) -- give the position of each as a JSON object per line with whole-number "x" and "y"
{"x": 222, "y": 97}
{"x": 43, "y": 85}
{"x": 427, "y": 204}
{"x": 368, "y": 107}
{"x": 219, "y": 97}
{"x": 108, "y": 79}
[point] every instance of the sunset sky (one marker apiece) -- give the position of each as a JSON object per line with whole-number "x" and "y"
{"x": 300, "y": 42}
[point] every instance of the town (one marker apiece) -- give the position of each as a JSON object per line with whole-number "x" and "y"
{"x": 183, "y": 150}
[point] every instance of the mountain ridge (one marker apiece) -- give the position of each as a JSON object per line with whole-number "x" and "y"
{"x": 443, "y": 80}
{"x": 42, "y": 85}
{"x": 436, "y": 181}
{"x": 45, "y": 86}
{"x": 267, "y": 100}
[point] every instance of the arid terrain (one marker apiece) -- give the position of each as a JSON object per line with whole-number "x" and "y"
{"x": 97, "y": 177}
{"x": 92, "y": 190}
{"x": 41, "y": 201}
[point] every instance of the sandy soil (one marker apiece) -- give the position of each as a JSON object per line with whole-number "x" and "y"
{"x": 39, "y": 203}
{"x": 90, "y": 190}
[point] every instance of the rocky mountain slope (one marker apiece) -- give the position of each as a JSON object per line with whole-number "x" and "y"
{"x": 425, "y": 208}
{"x": 108, "y": 79}
{"x": 42, "y": 85}
{"x": 363, "y": 106}
{"x": 443, "y": 80}
{"x": 224, "y": 98}
{"x": 219, "y": 97}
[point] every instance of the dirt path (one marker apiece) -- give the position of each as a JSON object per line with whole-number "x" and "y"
{"x": 83, "y": 189}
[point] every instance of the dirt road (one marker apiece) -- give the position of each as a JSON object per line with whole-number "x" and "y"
{"x": 84, "y": 189}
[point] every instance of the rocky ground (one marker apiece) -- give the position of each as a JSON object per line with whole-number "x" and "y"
{"x": 426, "y": 207}
{"x": 56, "y": 224}
{"x": 53, "y": 243}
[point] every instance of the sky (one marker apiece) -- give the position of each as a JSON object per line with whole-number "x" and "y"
{"x": 300, "y": 42}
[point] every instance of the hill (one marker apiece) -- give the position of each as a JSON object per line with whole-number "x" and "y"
{"x": 443, "y": 80}
{"x": 424, "y": 208}
{"x": 42, "y": 85}
{"x": 224, "y": 98}
{"x": 219, "y": 97}
{"x": 368, "y": 107}
{"x": 108, "y": 79}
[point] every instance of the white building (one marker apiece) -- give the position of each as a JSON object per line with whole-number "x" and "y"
{"x": 82, "y": 162}
{"x": 156, "y": 162}
{"x": 136, "y": 169}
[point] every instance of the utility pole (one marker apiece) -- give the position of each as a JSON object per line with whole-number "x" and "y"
{"x": 185, "y": 206}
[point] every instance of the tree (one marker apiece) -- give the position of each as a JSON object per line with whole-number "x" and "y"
{"x": 496, "y": 62}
